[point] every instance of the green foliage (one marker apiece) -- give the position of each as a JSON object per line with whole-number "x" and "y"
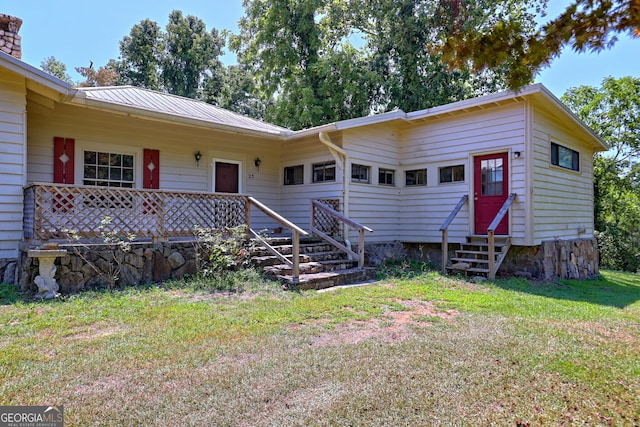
{"x": 182, "y": 60}
{"x": 613, "y": 112}
{"x": 319, "y": 61}
{"x": 584, "y": 25}
{"x": 56, "y": 68}
{"x": 141, "y": 52}
{"x": 117, "y": 244}
{"x": 221, "y": 250}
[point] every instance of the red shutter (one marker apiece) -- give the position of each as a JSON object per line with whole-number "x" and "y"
{"x": 63, "y": 160}
{"x": 151, "y": 170}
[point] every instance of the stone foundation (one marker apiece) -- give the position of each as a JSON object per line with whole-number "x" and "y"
{"x": 88, "y": 266}
{"x": 8, "y": 269}
{"x": 552, "y": 260}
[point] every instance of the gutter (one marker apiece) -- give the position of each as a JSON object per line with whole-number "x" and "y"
{"x": 342, "y": 159}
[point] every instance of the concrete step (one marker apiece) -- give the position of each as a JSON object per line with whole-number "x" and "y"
{"x": 471, "y": 260}
{"x": 329, "y": 279}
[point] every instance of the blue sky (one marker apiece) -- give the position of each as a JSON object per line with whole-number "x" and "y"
{"x": 77, "y": 31}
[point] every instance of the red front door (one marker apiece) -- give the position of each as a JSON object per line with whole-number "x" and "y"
{"x": 226, "y": 175}
{"x": 491, "y": 189}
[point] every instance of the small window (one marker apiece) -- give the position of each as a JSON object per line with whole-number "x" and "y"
{"x": 452, "y": 174}
{"x": 360, "y": 173}
{"x": 294, "y": 175}
{"x": 416, "y": 177}
{"x": 324, "y": 172}
{"x": 385, "y": 176}
{"x": 565, "y": 157}
{"x": 108, "y": 169}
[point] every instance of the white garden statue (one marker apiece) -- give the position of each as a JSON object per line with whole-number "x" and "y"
{"x": 46, "y": 282}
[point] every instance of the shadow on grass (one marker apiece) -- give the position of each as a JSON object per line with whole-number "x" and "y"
{"x": 613, "y": 289}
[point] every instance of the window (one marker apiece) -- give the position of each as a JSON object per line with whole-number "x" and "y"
{"x": 491, "y": 172}
{"x": 108, "y": 169}
{"x": 324, "y": 172}
{"x": 416, "y": 177}
{"x": 452, "y": 174}
{"x": 294, "y": 175}
{"x": 385, "y": 176}
{"x": 565, "y": 157}
{"x": 360, "y": 173}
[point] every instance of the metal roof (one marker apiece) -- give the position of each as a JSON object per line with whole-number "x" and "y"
{"x": 177, "y": 106}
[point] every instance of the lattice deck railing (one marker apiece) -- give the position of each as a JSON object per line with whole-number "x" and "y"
{"x": 50, "y": 209}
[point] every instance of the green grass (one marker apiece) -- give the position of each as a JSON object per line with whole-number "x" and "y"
{"x": 420, "y": 349}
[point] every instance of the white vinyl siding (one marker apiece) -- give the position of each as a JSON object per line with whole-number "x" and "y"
{"x": 296, "y": 199}
{"x": 12, "y": 160}
{"x": 562, "y": 198}
{"x": 375, "y": 206}
{"x": 177, "y": 145}
{"x": 452, "y": 141}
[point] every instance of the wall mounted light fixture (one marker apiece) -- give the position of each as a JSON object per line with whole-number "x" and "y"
{"x": 257, "y": 162}
{"x": 198, "y": 156}
{"x": 517, "y": 154}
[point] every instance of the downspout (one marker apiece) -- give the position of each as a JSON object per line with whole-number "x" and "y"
{"x": 342, "y": 159}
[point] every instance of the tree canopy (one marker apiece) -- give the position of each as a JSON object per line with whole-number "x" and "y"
{"x": 319, "y": 61}
{"x": 613, "y": 112}
{"x": 591, "y": 25}
{"x": 182, "y": 60}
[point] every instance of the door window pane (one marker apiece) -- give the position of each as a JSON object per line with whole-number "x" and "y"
{"x": 492, "y": 177}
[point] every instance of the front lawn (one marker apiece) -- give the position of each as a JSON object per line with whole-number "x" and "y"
{"x": 423, "y": 350}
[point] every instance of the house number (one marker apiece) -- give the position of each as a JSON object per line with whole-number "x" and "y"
{"x": 251, "y": 176}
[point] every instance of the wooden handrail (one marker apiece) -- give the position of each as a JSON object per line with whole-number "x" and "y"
{"x": 491, "y": 234}
{"x": 502, "y": 212}
{"x": 295, "y": 238}
{"x": 315, "y": 204}
{"x": 271, "y": 213}
{"x": 445, "y": 231}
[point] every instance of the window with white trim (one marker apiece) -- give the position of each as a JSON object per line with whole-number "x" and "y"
{"x": 108, "y": 169}
{"x": 565, "y": 157}
{"x": 323, "y": 172}
{"x": 360, "y": 173}
{"x": 415, "y": 177}
{"x": 452, "y": 174}
{"x": 386, "y": 176}
{"x": 294, "y": 175}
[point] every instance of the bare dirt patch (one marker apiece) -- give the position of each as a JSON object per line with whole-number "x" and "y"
{"x": 394, "y": 326}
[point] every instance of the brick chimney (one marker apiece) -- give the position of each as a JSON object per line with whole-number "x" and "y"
{"x": 10, "y": 41}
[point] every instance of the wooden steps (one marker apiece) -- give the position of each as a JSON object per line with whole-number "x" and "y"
{"x": 473, "y": 255}
{"x": 321, "y": 265}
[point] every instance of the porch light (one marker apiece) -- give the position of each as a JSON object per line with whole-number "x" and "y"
{"x": 257, "y": 162}
{"x": 517, "y": 154}
{"x": 198, "y": 156}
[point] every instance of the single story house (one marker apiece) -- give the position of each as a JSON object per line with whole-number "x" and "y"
{"x": 401, "y": 174}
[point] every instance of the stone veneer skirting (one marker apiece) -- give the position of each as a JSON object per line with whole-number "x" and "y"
{"x": 552, "y": 260}
{"x": 157, "y": 262}
{"x": 87, "y": 266}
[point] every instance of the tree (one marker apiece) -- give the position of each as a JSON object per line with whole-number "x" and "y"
{"x": 182, "y": 60}
{"x": 141, "y": 53}
{"x": 56, "y": 68}
{"x": 325, "y": 60}
{"x": 190, "y": 58}
{"x": 306, "y": 78}
{"x": 104, "y": 76}
{"x": 613, "y": 112}
{"x": 585, "y": 25}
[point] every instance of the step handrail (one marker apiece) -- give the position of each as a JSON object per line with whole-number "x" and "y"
{"x": 315, "y": 204}
{"x": 445, "y": 231}
{"x": 491, "y": 234}
{"x": 295, "y": 238}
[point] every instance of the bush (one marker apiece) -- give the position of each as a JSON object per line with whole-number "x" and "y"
{"x": 619, "y": 250}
